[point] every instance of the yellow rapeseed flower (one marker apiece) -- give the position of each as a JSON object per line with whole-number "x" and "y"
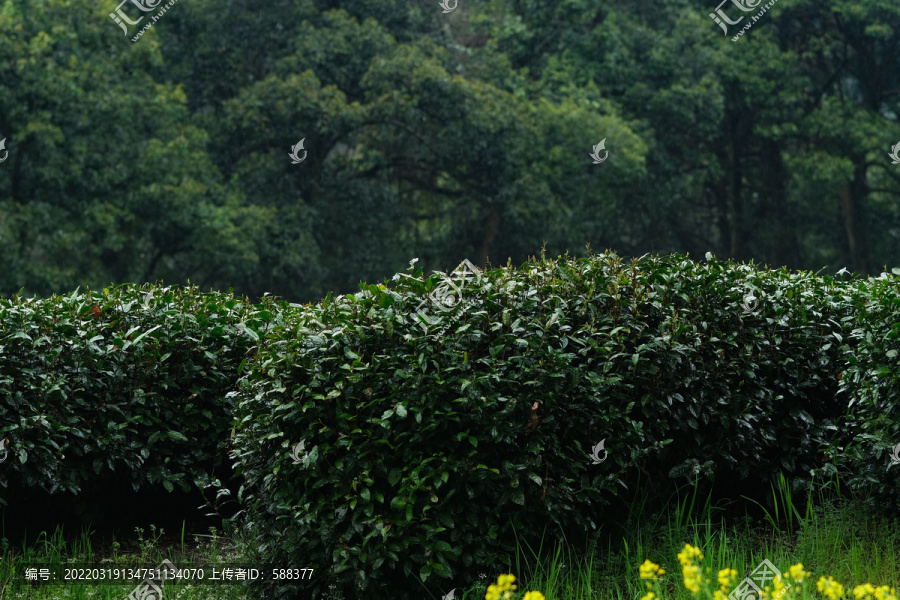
{"x": 689, "y": 570}
{"x": 649, "y": 596}
{"x": 885, "y": 593}
{"x": 500, "y": 590}
{"x": 778, "y": 592}
{"x": 797, "y": 573}
{"x": 830, "y": 588}
{"x": 726, "y": 576}
{"x": 687, "y": 555}
{"x": 692, "y": 578}
{"x": 767, "y": 594}
{"x": 866, "y": 590}
{"x": 534, "y": 596}
{"x": 651, "y": 570}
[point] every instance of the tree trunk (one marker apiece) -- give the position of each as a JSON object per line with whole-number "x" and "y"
{"x": 785, "y": 245}
{"x": 735, "y": 205}
{"x": 729, "y": 200}
{"x": 851, "y": 196}
{"x": 490, "y": 232}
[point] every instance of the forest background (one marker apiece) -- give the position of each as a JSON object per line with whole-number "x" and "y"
{"x": 439, "y": 135}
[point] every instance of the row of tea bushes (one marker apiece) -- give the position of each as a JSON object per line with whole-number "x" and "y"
{"x": 864, "y": 447}
{"x": 435, "y": 418}
{"x": 130, "y": 380}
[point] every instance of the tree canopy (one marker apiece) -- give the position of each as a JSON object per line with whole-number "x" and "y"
{"x": 440, "y": 136}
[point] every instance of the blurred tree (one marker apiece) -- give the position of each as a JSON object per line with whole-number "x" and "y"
{"x": 438, "y": 136}
{"x": 749, "y": 137}
{"x": 107, "y": 179}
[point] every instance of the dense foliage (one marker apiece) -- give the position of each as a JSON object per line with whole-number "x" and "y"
{"x": 429, "y": 433}
{"x": 408, "y": 432}
{"x": 130, "y": 380}
{"x": 870, "y": 433}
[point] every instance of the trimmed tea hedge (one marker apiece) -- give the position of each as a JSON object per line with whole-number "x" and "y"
{"x": 130, "y": 379}
{"x": 864, "y": 449}
{"x": 439, "y": 417}
{"x": 401, "y": 437}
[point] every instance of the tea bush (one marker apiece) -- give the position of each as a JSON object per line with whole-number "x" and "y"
{"x": 401, "y": 436}
{"x": 864, "y": 449}
{"x": 433, "y": 419}
{"x": 130, "y": 380}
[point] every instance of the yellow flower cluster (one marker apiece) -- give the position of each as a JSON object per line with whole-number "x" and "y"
{"x": 866, "y": 592}
{"x": 652, "y": 571}
{"x": 830, "y": 588}
{"x": 688, "y": 558}
{"x": 778, "y": 592}
{"x": 500, "y": 590}
{"x": 690, "y": 571}
{"x": 797, "y": 573}
{"x": 726, "y": 578}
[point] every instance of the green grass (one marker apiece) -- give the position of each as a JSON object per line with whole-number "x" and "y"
{"x": 831, "y": 536}
{"x": 837, "y": 537}
{"x": 53, "y": 551}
